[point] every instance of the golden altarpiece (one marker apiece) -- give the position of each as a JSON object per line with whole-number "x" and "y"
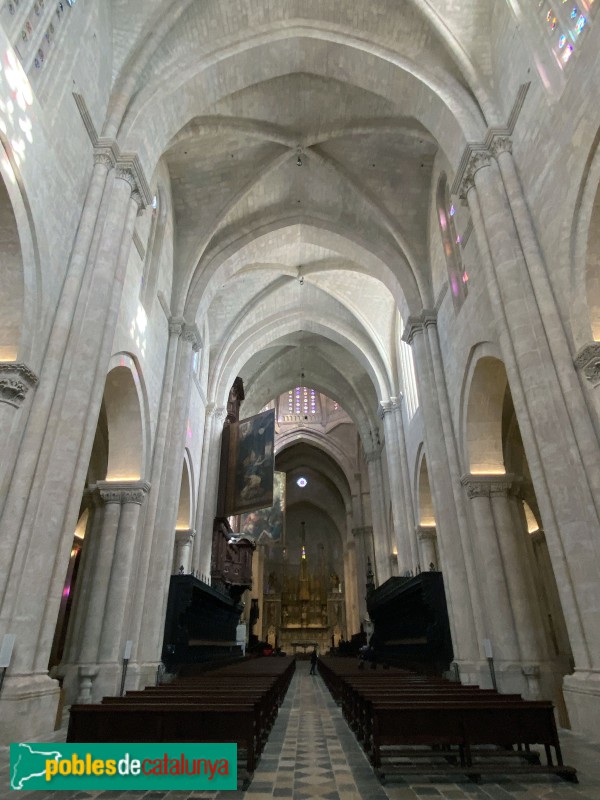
{"x": 303, "y": 605}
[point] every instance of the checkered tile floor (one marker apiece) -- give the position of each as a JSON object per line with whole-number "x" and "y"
{"x": 312, "y": 753}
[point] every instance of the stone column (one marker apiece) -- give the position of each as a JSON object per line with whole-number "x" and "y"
{"x": 45, "y": 490}
{"x": 564, "y": 487}
{"x": 184, "y": 540}
{"x": 519, "y": 576}
{"x": 116, "y": 617}
{"x": 68, "y": 668}
{"x": 426, "y": 536}
{"x": 554, "y": 618}
{"x": 460, "y": 581}
{"x": 381, "y": 545}
{"x": 350, "y": 590}
{"x": 363, "y": 537}
{"x": 104, "y": 588}
{"x": 208, "y": 486}
{"x": 391, "y": 412}
{"x": 148, "y": 640}
{"x": 574, "y": 399}
{"x": 161, "y": 444}
{"x": 36, "y": 427}
{"x": 514, "y": 623}
{"x": 258, "y": 587}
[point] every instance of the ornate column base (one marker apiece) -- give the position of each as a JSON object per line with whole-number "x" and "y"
{"x": 87, "y": 675}
{"x": 28, "y": 707}
{"x": 582, "y": 698}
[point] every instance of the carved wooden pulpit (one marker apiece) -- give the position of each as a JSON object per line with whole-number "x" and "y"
{"x": 231, "y": 562}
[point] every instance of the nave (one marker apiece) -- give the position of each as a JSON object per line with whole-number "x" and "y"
{"x": 312, "y": 753}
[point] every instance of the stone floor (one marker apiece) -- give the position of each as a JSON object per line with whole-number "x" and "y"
{"x": 311, "y": 753}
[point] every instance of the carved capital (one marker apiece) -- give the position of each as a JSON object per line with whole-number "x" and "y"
{"x": 192, "y": 334}
{"x": 477, "y": 160}
{"x": 588, "y": 361}
{"x": 105, "y": 157}
{"x": 185, "y": 536}
{"x": 364, "y": 530}
{"x": 176, "y": 325}
{"x": 426, "y": 533}
{"x": 16, "y": 379}
{"x": 123, "y": 492}
{"x": 218, "y": 412}
{"x": 391, "y": 406}
{"x": 500, "y": 144}
{"x": 489, "y": 485}
{"x": 417, "y": 323}
{"x": 125, "y": 174}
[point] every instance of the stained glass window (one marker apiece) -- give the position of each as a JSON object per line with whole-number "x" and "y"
{"x": 565, "y": 22}
{"x": 38, "y": 31}
{"x": 302, "y": 400}
{"x": 451, "y": 243}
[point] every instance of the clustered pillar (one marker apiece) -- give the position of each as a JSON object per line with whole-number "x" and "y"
{"x": 44, "y": 493}
{"x": 549, "y": 404}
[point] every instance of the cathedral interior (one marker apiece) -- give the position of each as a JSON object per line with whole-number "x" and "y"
{"x": 383, "y": 219}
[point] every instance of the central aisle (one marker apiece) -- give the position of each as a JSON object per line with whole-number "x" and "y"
{"x": 311, "y": 752}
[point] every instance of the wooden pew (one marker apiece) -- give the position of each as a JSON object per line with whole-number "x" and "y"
{"x": 237, "y": 703}
{"x": 168, "y": 722}
{"x": 421, "y": 718}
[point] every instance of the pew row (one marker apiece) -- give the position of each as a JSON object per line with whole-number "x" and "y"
{"x": 414, "y": 724}
{"x": 238, "y": 706}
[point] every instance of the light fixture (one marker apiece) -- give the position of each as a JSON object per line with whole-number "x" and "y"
{"x": 302, "y": 482}
{"x": 298, "y": 162}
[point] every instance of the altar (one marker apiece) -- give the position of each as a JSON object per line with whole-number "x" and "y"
{"x": 303, "y": 645}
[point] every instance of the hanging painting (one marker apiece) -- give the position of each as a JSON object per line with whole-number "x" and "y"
{"x": 267, "y": 524}
{"x": 251, "y": 464}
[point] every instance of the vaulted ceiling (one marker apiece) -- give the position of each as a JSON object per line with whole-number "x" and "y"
{"x": 300, "y": 140}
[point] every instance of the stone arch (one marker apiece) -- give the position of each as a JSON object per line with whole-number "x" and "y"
{"x": 185, "y": 509}
{"x": 267, "y": 331}
{"x": 592, "y": 271}
{"x": 125, "y": 415}
{"x": 585, "y": 254}
{"x": 340, "y": 476}
{"x": 163, "y": 22}
{"x": 375, "y": 258}
{"x": 425, "y": 509}
{"x": 482, "y": 403}
{"x": 20, "y": 267}
{"x": 451, "y": 113}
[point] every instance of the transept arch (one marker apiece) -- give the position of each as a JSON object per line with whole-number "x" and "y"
{"x": 20, "y": 267}
{"x": 452, "y": 107}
